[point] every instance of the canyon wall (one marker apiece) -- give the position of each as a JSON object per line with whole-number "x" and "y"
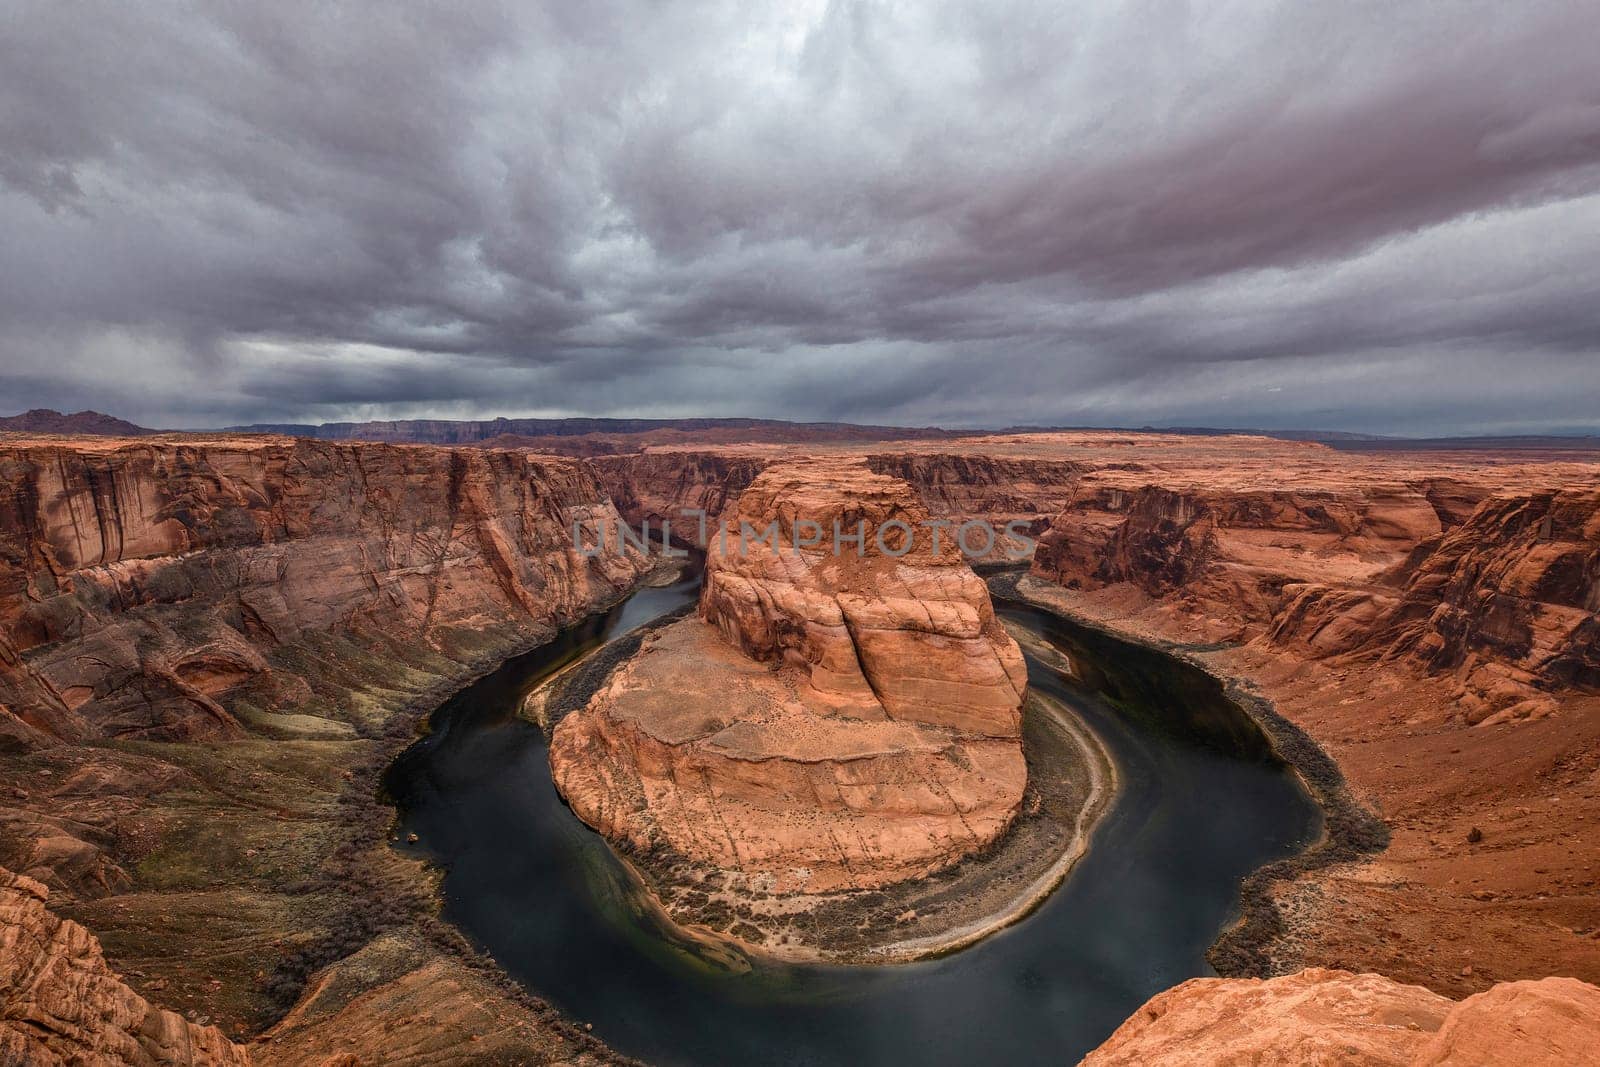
{"x": 1320, "y": 555}
{"x": 676, "y": 487}
{"x": 971, "y": 485}
{"x": 205, "y": 644}
{"x": 1505, "y": 604}
{"x": 1498, "y": 592}
{"x": 210, "y": 647}
{"x": 1229, "y": 551}
{"x": 663, "y": 483}
{"x": 173, "y": 589}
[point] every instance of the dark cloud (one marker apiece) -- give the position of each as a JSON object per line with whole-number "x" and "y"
{"x": 1355, "y": 216}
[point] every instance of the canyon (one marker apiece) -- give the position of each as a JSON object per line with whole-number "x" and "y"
{"x": 209, "y": 644}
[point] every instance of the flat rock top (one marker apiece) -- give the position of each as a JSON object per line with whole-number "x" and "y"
{"x": 1222, "y": 462}
{"x": 688, "y": 685}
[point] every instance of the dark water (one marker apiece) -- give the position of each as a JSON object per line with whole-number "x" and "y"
{"x": 1202, "y": 804}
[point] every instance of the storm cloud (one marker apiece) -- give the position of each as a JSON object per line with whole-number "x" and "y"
{"x": 1348, "y": 216}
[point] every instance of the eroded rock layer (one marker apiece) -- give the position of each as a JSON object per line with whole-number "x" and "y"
{"x": 681, "y": 484}
{"x": 226, "y": 623}
{"x": 685, "y": 490}
{"x": 1321, "y": 1016}
{"x": 1502, "y": 599}
{"x": 61, "y": 1004}
{"x": 154, "y": 589}
{"x": 831, "y": 720}
{"x": 1506, "y": 603}
{"x": 209, "y": 648}
{"x": 1414, "y": 613}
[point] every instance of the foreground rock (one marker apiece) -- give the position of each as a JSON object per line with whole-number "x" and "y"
{"x": 829, "y": 722}
{"x": 61, "y": 1004}
{"x": 1359, "y": 1020}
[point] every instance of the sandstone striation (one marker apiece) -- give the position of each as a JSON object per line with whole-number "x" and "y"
{"x": 158, "y": 589}
{"x": 687, "y": 490}
{"x": 1321, "y": 1016}
{"x": 1503, "y": 601}
{"x": 1506, "y": 603}
{"x": 1012, "y": 495}
{"x": 1230, "y": 551}
{"x": 1403, "y": 608}
{"x": 207, "y": 643}
{"x": 829, "y": 722}
{"x": 957, "y": 487}
{"x": 61, "y": 1004}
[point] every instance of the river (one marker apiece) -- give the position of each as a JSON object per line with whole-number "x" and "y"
{"x": 1202, "y": 802}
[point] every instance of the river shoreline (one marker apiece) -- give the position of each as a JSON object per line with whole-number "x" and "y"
{"x": 1072, "y": 783}
{"x": 370, "y": 819}
{"x": 1102, "y": 791}
{"x": 1350, "y": 832}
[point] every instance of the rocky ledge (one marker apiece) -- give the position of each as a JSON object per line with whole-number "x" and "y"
{"x": 1495, "y": 591}
{"x": 1359, "y": 1020}
{"x": 60, "y": 1003}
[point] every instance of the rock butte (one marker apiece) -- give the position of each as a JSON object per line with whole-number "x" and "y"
{"x": 208, "y": 643}
{"x": 831, "y": 721}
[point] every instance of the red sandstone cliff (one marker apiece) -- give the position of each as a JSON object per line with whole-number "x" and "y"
{"x": 140, "y": 558}
{"x": 999, "y": 490}
{"x": 175, "y": 588}
{"x": 247, "y": 622}
{"x": 1504, "y": 602}
{"x": 676, "y": 487}
{"x": 664, "y": 483}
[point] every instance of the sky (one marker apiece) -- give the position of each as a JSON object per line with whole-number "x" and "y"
{"x": 1361, "y": 216}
